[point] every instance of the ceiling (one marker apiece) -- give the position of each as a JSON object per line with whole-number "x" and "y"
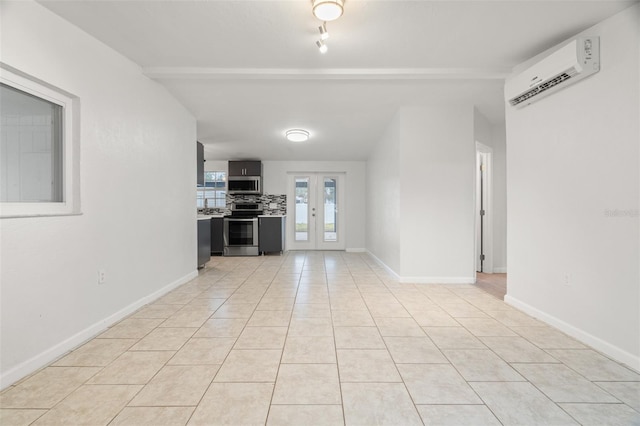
{"x": 249, "y": 70}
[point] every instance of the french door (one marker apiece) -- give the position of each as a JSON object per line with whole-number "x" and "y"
{"x": 315, "y": 206}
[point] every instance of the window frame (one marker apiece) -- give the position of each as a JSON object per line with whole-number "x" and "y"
{"x": 70, "y": 149}
{"x": 204, "y": 189}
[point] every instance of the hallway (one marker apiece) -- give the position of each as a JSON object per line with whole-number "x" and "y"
{"x": 326, "y": 338}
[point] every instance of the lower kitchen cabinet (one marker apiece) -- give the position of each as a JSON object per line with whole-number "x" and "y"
{"x": 217, "y": 235}
{"x": 271, "y": 234}
{"x": 204, "y": 241}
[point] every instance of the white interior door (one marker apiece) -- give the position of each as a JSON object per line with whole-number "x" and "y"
{"x": 315, "y": 205}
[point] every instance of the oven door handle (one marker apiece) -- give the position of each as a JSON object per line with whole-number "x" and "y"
{"x": 228, "y": 219}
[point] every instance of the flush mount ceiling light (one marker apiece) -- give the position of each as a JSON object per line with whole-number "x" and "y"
{"x": 297, "y": 135}
{"x": 328, "y": 10}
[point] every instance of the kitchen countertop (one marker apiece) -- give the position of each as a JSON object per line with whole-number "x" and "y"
{"x": 208, "y": 216}
{"x": 213, "y": 216}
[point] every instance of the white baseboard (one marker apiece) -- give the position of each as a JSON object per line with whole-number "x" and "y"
{"x": 500, "y": 270}
{"x": 384, "y": 265}
{"x": 614, "y": 352}
{"x": 49, "y": 355}
{"x": 438, "y": 280}
{"x": 423, "y": 280}
{"x": 356, "y": 250}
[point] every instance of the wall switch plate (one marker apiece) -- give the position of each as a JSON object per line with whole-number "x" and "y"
{"x": 102, "y": 276}
{"x": 567, "y": 279}
{"x": 273, "y": 205}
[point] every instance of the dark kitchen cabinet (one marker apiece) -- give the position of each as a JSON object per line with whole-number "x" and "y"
{"x": 204, "y": 241}
{"x": 245, "y": 168}
{"x": 200, "y": 164}
{"x": 217, "y": 236}
{"x": 271, "y": 234}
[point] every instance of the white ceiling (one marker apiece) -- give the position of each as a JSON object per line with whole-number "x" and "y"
{"x": 249, "y": 70}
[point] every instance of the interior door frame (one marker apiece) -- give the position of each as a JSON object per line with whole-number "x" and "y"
{"x": 316, "y": 241}
{"x": 486, "y": 153}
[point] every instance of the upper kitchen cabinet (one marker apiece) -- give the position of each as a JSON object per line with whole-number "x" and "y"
{"x": 200, "y": 164}
{"x": 245, "y": 168}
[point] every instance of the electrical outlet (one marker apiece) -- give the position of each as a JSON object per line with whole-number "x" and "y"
{"x": 567, "y": 279}
{"x": 102, "y": 276}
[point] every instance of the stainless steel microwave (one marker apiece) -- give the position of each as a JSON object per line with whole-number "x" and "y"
{"x": 244, "y": 185}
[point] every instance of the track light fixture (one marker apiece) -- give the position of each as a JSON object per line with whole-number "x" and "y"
{"x": 326, "y": 10}
{"x": 323, "y": 31}
{"x": 321, "y": 46}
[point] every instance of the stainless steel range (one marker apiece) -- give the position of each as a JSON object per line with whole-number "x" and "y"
{"x": 241, "y": 229}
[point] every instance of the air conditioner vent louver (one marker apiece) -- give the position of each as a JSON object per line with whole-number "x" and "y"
{"x": 541, "y": 88}
{"x": 575, "y": 60}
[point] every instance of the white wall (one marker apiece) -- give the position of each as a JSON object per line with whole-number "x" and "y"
{"x": 499, "y": 145}
{"x": 437, "y": 175}
{"x": 425, "y": 231}
{"x": 137, "y": 198}
{"x": 216, "y": 166}
{"x": 572, "y": 157}
{"x": 383, "y": 198}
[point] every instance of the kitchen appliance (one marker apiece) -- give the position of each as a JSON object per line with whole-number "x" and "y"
{"x": 241, "y": 236}
{"x": 251, "y": 185}
{"x": 241, "y": 229}
{"x": 246, "y": 209}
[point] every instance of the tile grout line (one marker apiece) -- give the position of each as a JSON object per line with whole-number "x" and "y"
{"x": 335, "y": 349}
{"x": 284, "y": 344}
{"x": 214, "y": 376}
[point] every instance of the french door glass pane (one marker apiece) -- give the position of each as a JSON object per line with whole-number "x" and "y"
{"x": 330, "y": 210}
{"x": 302, "y": 209}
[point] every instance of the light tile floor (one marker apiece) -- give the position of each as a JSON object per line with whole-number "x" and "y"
{"x": 313, "y": 338}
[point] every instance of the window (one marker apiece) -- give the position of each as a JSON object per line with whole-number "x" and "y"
{"x": 214, "y": 192}
{"x": 38, "y": 170}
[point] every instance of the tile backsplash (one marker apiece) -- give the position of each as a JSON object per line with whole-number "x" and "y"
{"x": 274, "y": 204}
{"x": 271, "y": 204}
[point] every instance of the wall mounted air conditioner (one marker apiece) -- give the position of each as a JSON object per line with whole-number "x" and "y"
{"x": 571, "y": 63}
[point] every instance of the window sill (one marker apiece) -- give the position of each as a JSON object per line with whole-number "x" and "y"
{"x": 35, "y": 215}
{"x": 20, "y": 210}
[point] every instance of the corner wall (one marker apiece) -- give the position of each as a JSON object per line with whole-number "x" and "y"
{"x": 383, "y": 198}
{"x": 420, "y": 180}
{"x": 499, "y": 145}
{"x": 437, "y": 174}
{"x": 137, "y": 181}
{"x": 573, "y": 163}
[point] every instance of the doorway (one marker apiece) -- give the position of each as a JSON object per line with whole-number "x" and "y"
{"x": 315, "y": 202}
{"x": 484, "y": 209}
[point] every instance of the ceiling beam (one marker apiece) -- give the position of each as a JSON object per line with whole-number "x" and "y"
{"x": 195, "y": 73}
